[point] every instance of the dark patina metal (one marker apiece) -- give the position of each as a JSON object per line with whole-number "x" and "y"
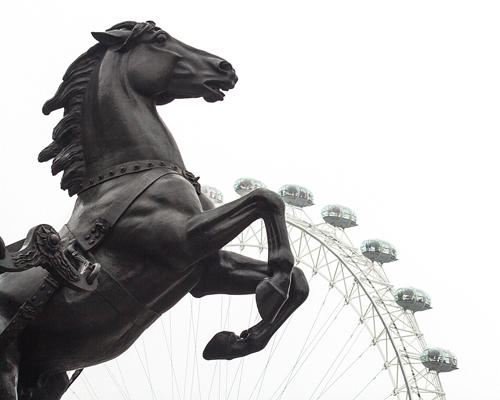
{"x": 140, "y": 215}
{"x": 133, "y": 167}
{"x": 43, "y": 248}
{"x": 28, "y": 311}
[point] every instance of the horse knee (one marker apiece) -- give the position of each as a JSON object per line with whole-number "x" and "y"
{"x": 300, "y": 287}
{"x": 270, "y": 200}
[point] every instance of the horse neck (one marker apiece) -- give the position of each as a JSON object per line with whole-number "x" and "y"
{"x": 120, "y": 125}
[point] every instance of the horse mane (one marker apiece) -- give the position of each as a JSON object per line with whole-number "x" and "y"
{"x": 66, "y": 149}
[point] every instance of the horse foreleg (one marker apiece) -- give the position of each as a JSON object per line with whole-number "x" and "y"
{"x": 211, "y": 230}
{"x": 226, "y": 272}
{"x": 227, "y": 345}
{"x": 232, "y": 273}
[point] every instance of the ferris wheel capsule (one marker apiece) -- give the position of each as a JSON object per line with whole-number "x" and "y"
{"x": 412, "y": 299}
{"x": 339, "y": 216}
{"x": 439, "y": 360}
{"x": 243, "y": 186}
{"x": 213, "y": 194}
{"x": 379, "y": 251}
{"x": 296, "y": 195}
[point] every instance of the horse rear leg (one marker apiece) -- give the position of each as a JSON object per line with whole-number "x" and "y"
{"x": 210, "y": 231}
{"x": 232, "y": 273}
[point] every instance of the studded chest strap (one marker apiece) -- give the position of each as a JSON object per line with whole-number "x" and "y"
{"x": 92, "y": 229}
{"x": 132, "y": 167}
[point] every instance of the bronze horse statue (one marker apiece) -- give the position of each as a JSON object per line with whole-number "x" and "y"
{"x": 141, "y": 216}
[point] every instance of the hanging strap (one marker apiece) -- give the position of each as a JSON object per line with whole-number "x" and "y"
{"x": 28, "y": 312}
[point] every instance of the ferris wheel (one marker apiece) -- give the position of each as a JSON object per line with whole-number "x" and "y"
{"x": 356, "y": 337}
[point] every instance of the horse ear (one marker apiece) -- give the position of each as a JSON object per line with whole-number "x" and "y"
{"x": 111, "y": 38}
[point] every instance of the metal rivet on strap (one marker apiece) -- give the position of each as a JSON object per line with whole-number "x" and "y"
{"x": 150, "y": 164}
{"x": 123, "y": 169}
{"x": 137, "y": 166}
{"x": 111, "y": 173}
{"x": 91, "y": 181}
{"x": 101, "y": 177}
{"x": 162, "y": 163}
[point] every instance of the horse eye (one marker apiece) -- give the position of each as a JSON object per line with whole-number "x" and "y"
{"x": 161, "y": 38}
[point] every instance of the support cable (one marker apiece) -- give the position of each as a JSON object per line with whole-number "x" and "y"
{"x": 123, "y": 378}
{"x": 117, "y": 384}
{"x": 342, "y": 374}
{"x": 148, "y": 372}
{"x": 369, "y": 383}
{"x": 274, "y": 347}
{"x": 243, "y": 359}
{"x": 187, "y": 359}
{"x": 195, "y": 370}
{"x": 334, "y": 361}
{"x": 235, "y": 376}
{"x": 314, "y": 343}
{"x": 289, "y": 376}
{"x": 89, "y": 387}
{"x": 145, "y": 372}
{"x": 72, "y": 391}
{"x": 263, "y": 373}
{"x": 173, "y": 376}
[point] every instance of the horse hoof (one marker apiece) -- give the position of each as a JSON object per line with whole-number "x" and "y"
{"x": 227, "y": 345}
{"x": 269, "y": 299}
{"x": 218, "y": 347}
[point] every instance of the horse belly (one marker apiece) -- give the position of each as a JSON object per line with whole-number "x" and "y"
{"x": 74, "y": 331}
{"x": 77, "y": 330}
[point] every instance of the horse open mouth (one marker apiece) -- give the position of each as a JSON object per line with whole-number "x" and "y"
{"x": 213, "y": 91}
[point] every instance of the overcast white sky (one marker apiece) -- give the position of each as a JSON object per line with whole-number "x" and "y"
{"x": 387, "y": 107}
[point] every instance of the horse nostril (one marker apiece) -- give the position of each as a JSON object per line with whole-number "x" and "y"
{"x": 225, "y": 66}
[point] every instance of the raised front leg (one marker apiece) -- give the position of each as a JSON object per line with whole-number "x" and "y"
{"x": 232, "y": 273}
{"x": 213, "y": 229}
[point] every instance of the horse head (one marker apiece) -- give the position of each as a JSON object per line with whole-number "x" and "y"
{"x": 108, "y": 94}
{"x": 164, "y": 68}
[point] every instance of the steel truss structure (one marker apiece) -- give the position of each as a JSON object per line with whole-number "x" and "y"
{"x": 327, "y": 252}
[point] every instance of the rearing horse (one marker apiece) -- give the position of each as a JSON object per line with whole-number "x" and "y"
{"x": 141, "y": 215}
